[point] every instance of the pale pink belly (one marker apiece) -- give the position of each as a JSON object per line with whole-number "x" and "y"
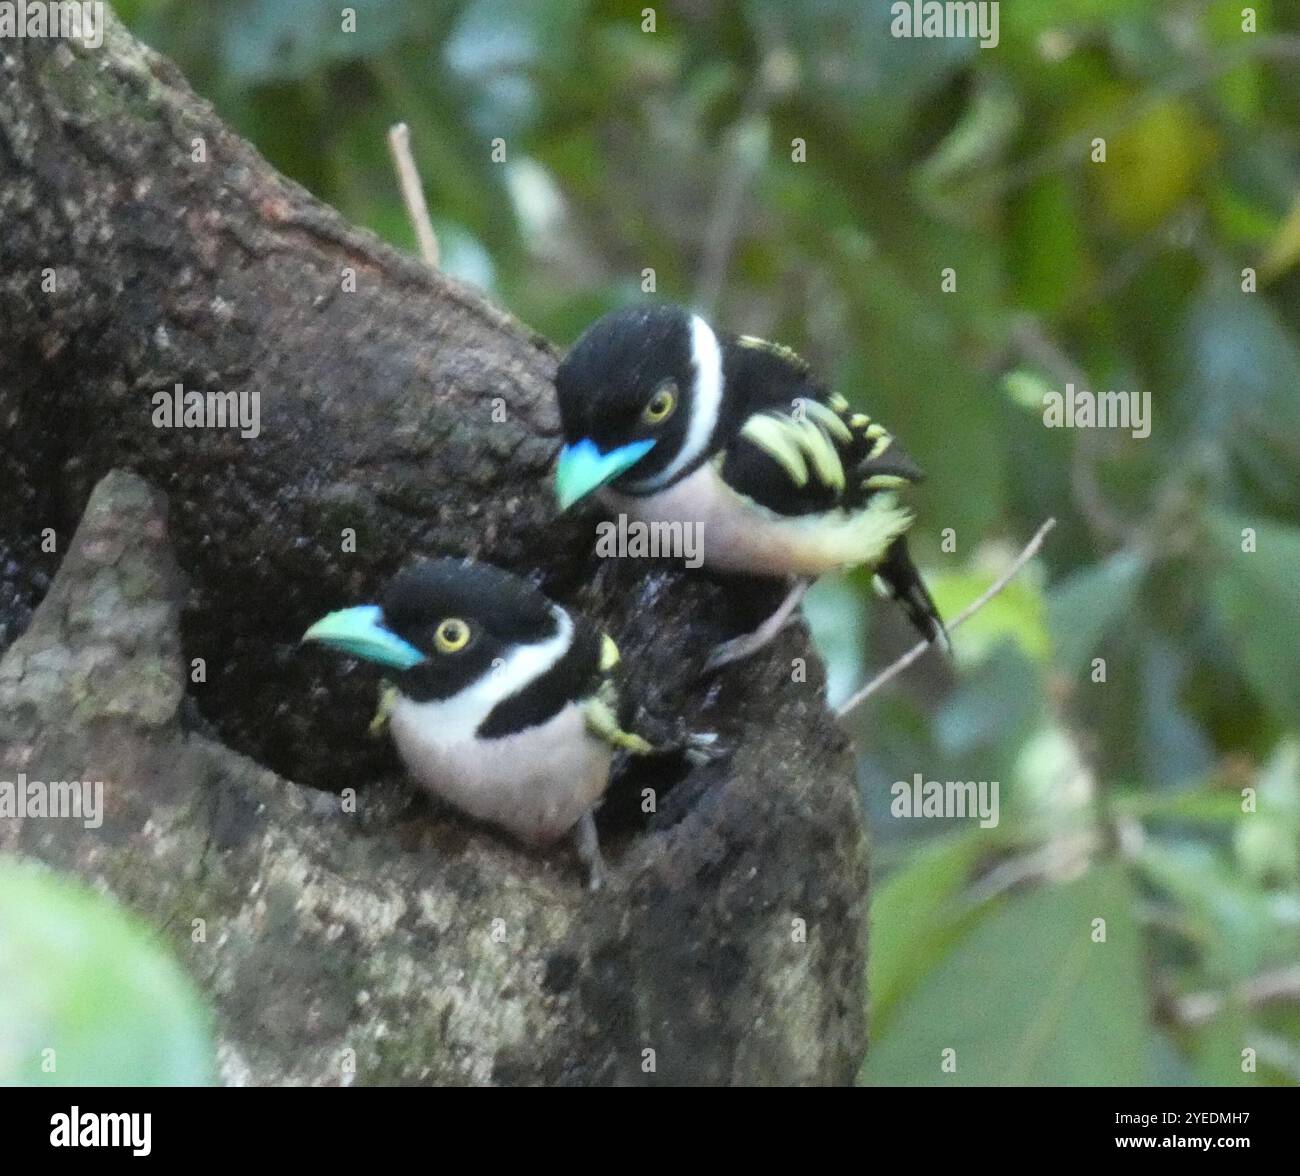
{"x": 741, "y": 536}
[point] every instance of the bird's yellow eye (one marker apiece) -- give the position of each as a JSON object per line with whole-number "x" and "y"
{"x": 451, "y": 635}
{"x": 661, "y": 404}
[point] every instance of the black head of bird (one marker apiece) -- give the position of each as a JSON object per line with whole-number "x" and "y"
{"x": 501, "y": 701}
{"x": 444, "y": 626}
{"x": 639, "y": 397}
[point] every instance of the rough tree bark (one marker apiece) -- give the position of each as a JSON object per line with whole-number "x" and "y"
{"x": 370, "y": 932}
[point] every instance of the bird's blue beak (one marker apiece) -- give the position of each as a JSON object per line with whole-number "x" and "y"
{"x": 358, "y": 631}
{"x": 583, "y": 468}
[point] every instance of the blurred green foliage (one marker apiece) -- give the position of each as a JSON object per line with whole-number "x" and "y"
{"x": 87, "y": 997}
{"x": 1127, "y": 799}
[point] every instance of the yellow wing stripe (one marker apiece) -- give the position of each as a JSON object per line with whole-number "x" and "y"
{"x": 885, "y": 482}
{"x": 823, "y": 454}
{"x": 797, "y": 444}
{"x": 828, "y": 419}
{"x": 780, "y": 350}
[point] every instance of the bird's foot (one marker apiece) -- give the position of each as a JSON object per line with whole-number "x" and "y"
{"x": 748, "y": 644}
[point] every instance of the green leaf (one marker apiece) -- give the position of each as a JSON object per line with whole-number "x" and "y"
{"x": 1035, "y": 17}
{"x": 1173, "y": 747}
{"x": 1047, "y": 251}
{"x": 282, "y": 40}
{"x": 1242, "y": 88}
{"x": 1026, "y": 997}
{"x": 977, "y": 142}
{"x": 1087, "y": 606}
{"x": 1234, "y": 924}
{"x": 848, "y": 62}
{"x": 86, "y": 990}
{"x": 1240, "y": 369}
{"x": 834, "y": 611}
{"x": 1265, "y": 840}
{"x": 1195, "y": 806}
{"x": 1243, "y": 220}
{"x": 1283, "y": 247}
{"x": 1155, "y": 161}
{"x": 1257, "y": 600}
{"x": 1170, "y": 1066}
{"x": 1053, "y": 792}
{"x": 1241, "y": 366}
{"x": 915, "y": 914}
{"x": 1027, "y": 388}
{"x": 1216, "y": 1049}
{"x": 993, "y": 708}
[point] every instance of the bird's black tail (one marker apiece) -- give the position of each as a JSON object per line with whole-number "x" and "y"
{"x": 899, "y": 580}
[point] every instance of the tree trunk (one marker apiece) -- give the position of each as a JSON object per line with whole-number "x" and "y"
{"x": 142, "y": 245}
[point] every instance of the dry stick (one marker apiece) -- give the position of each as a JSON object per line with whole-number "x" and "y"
{"x": 1282, "y": 985}
{"x": 892, "y": 671}
{"x": 408, "y": 178}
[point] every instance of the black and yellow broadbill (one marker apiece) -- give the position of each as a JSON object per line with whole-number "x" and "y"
{"x": 676, "y": 423}
{"x": 501, "y": 702}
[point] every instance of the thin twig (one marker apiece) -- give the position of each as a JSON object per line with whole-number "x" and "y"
{"x": 1282, "y": 985}
{"x": 892, "y": 671}
{"x": 408, "y": 178}
{"x": 1060, "y": 858}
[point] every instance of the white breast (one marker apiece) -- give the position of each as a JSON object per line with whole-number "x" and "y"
{"x": 739, "y": 535}
{"x": 536, "y": 784}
